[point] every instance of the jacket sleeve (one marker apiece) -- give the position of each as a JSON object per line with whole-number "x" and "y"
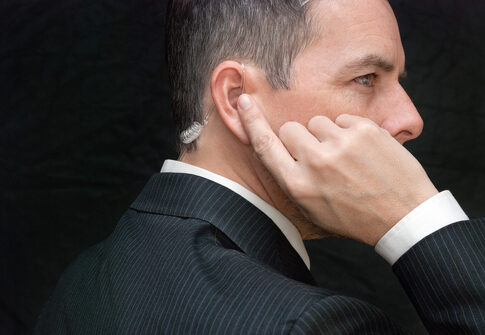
{"x": 444, "y": 276}
{"x": 344, "y": 315}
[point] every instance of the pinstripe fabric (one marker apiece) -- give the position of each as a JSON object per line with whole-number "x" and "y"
{"x": 444, "y": 275}
{"x": 192, "y": 257}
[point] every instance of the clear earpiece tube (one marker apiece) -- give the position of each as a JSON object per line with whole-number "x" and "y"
{"x": 243, "y": 80}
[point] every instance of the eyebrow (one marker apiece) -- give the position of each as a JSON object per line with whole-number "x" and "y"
{"x": 376, "y": 61}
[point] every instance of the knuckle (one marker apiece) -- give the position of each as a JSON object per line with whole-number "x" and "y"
{"x": 344, "y": 146}
{"x": 316, "y": 160}
{"x": 347, "y": 139}
{"x": 251, "y": 116}
{"x": 297, "y": 187}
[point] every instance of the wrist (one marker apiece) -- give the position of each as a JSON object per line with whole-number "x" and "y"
{"x": 398, "y": 208}
{"x": 430, "y": 216}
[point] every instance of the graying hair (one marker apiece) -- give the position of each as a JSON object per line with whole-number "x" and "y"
{"x": 200, "y": 34}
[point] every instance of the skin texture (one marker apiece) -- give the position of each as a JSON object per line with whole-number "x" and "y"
{"x": 354, "y": 67}
{"x": 350, "y": 177}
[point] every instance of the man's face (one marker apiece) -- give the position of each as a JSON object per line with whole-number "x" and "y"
{"x": 354, "y": 67}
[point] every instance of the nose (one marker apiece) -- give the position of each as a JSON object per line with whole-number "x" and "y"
{"x": 402, "y": 119}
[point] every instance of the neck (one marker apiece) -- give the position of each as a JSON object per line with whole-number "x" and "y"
{"x": 237, "y": 162}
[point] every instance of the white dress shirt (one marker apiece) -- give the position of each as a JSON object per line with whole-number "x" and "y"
{"x": 432, "y": 215}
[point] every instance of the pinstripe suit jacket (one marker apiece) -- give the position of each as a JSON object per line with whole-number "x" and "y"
{"x": 192, "y": 257}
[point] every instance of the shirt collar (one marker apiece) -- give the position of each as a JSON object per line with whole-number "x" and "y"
{"x": 286, "y": 227}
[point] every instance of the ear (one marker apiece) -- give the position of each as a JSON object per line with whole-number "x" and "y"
{"x": 226, "y": 87}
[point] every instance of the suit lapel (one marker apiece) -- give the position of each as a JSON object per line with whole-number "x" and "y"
{"x": 186, "y": 195}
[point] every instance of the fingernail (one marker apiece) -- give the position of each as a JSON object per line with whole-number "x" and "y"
{"x": 244, "y": 102}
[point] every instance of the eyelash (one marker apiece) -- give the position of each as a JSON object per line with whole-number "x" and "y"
{"x": 373, "y": 76}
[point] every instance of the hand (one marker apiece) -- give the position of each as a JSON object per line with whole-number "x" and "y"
{"x": 351, "y": 177}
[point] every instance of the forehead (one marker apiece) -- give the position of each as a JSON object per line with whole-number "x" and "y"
{"x": 353, "y": 28}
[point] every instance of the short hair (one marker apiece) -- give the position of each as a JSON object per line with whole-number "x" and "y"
{"x": 200, "y": 34}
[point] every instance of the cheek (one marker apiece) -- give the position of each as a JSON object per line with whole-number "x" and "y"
{"x": 354, "y": 103}
{"x": 300, "y": 107}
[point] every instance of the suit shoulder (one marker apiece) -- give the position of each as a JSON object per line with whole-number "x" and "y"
{"x": 339, "y": 314}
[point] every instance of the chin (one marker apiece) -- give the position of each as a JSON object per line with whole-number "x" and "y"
{"x": 312, "y": 232}
{"x": 307, "y": 229}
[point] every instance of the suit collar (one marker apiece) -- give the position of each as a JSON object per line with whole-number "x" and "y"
{"x": 250, "y": 229}
{"x": 285, "y": 226}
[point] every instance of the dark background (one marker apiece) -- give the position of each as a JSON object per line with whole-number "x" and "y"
{"x": 85, "y": 120}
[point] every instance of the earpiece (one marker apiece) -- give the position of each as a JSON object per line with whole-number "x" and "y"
{"x": 190, "y": 134}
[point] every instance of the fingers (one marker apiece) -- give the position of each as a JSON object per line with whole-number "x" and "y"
{"x": 348, "y": 121}
{"x": 266, "y": 144}
{"x": 297, "y": 139}
{"x": 352, "y": 121}
{"x": 323, "y": 128}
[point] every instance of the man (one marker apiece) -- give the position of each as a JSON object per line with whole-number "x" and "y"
{"x": 213, "y": 244}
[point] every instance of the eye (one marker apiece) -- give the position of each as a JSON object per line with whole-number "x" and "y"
{"x": 367, "y": 80}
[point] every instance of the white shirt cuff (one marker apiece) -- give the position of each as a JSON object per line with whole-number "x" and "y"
{"x": 433, "y": 214}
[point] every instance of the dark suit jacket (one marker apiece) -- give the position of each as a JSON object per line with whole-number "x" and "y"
{"x": 192, "y": 257}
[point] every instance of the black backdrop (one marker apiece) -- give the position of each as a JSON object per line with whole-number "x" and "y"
{"x": 85, "y": 120}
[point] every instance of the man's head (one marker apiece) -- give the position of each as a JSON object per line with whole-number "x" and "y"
{"x": 325, "y": 57}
